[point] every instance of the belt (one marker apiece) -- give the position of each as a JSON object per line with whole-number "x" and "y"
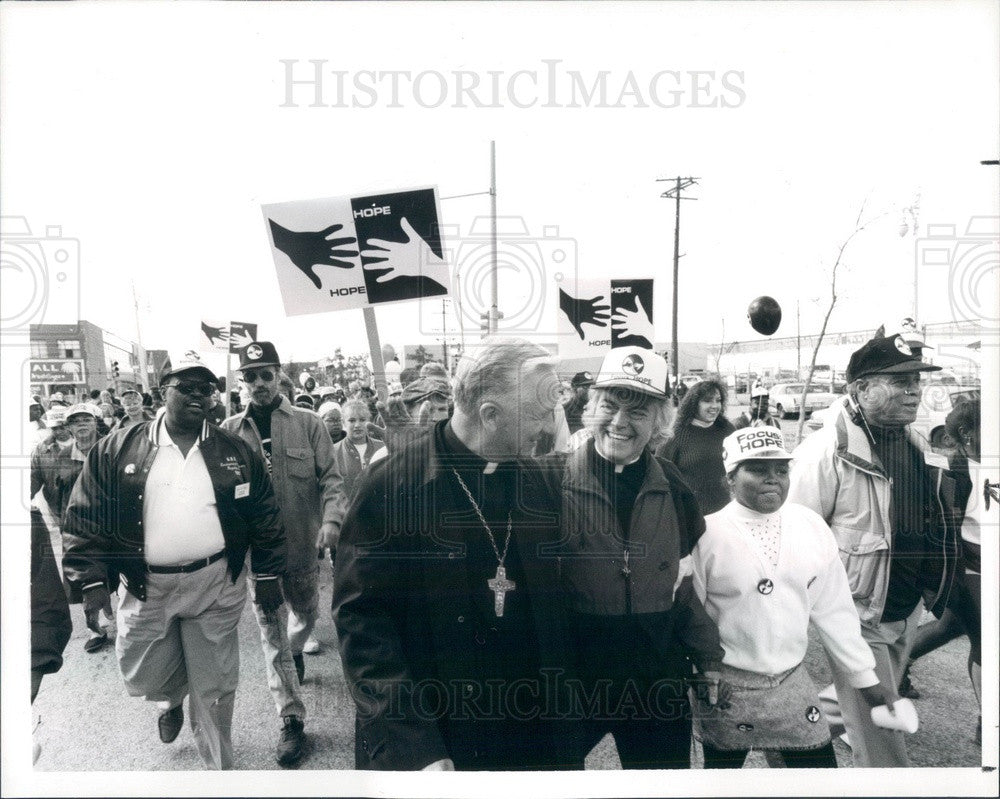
{"x": 187, "y": 568}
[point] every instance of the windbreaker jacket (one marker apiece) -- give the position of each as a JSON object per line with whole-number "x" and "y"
{"x": 836, "y": 474}
{"x": 102, "y": 527}
{"x": 665, "y": 525}
{"x": 350, "y": 466}
{"x": 306, "y": 482}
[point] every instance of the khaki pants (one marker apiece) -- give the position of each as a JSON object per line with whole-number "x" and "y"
{"x": 283, "y": 633}
{"x": 183, "y": 641}
{"x": 845, "y": 708}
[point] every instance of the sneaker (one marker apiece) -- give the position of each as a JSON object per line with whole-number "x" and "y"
{"x": 170, "y": 724}
{"x": 300, "y": 668}
{"x": 906, "y": 688}
{"x": 291, "y": 742}
{"x": 311, "y": 646}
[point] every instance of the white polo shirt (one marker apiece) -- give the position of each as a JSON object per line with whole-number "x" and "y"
{"x": 179, "y": 513}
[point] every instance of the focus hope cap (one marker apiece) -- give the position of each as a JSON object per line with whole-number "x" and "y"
{"x": 634, "y": 368}
{"x": 753, "y": 443}
{"x": 189, "y": 363}
{"x": 258, "y": 353}
{"x": 885, "y": 355}
{"x": 84, "y": 408}
{"x": 55, "y": 417}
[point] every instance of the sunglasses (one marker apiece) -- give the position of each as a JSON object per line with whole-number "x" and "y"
{"x": 190, "y": 389}
{"x": 265, "y": 375}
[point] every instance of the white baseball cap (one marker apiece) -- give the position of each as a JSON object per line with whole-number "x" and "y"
{"x": 55, "y": 417}
{"x": 758, "y": 391}
{"x": 634, "y": 368}
{"x": 86, "y": 408}
{"x": 753, "y": 443}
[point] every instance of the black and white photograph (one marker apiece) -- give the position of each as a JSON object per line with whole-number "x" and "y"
{"x": 615, "y": 405}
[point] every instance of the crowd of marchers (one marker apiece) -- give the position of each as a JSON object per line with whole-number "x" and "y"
{"x": 521, "y": 565}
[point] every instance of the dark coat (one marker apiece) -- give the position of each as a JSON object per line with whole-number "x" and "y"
{"x": 405, "y": 614}
{"x": 51, "y": 626}
{"x": 102, "y": 527}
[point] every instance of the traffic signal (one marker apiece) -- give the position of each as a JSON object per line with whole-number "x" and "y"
{"x": 114, "y": 369}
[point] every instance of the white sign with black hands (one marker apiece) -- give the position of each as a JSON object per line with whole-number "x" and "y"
{"x": 596, "y": 315}
{"x": 349, "y": 252}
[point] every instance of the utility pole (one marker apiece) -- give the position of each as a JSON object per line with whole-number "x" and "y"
{"x": 444, "y": 335}
{"x": 798, "y": 343}
{"x": 495, "y": 314}
{"x": 676, "y": 194}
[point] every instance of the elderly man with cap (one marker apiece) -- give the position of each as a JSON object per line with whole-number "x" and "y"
{"x": 43, "y": 460}
{"x": 629, "y": 524}
{"x": 299, "y": 454}
{"x": 885, "y": 495}
{"x": 170, "y": 508}
{"x": 440, "y": 584}
{"x": 135, "y": 413}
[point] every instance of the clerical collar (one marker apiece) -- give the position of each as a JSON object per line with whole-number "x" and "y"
{"x": 619, "y": 467}
{"x": 465, "y": 457}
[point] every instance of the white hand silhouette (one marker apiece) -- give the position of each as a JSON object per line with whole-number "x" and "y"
{"x": 239, "y": 339}
{"x": 412, "y": 258}
{"x": 633, "y": 323}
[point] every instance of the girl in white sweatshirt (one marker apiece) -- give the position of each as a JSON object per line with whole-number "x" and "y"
{"x": 765, "y": 571}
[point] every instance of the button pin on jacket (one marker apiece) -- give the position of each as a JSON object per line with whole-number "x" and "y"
{"x": 130, "y": 468}
{"x": 765, "y": 586}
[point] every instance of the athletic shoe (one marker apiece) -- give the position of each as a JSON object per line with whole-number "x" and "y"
{"x": 311, "y": 646}
{"x": 291, "y": 742}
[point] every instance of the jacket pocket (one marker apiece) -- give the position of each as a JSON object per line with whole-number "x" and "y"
{"x": 301, "y": 462}
{"x": 865, "y": 556}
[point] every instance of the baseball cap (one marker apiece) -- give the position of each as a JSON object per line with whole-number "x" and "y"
{"x": 305, "y": 398}
{"x": 581, "y": 379}
{"x": 84, "y": 408}
{"x": 189, "y": 362}
{"x": 758, "y": 391}
{"x": 635, "y": 368}
{"x": 128, "y": 391}
{"x": 55, "y": 417}
{"x": 258, "y": 353}
{"x": 885, "y": 355}
{"x": 424, "y": 387}
{"x": 753, "y": 443}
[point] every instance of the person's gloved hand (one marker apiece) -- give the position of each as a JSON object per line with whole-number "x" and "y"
{"x": 95, "y": 599}
{"x": 267, "y": 594}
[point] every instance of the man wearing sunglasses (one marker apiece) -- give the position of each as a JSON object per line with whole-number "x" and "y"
{"x": 299, "y": 454}
{"x": 169, "y": 508}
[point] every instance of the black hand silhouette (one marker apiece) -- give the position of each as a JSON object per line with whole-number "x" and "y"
{"x": 213, "y": 333}
{"x": 309, "y": 249}
{"x": 584, "y": 312}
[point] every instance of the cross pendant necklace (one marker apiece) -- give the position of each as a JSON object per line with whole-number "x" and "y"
{"x": 499, "y": 585}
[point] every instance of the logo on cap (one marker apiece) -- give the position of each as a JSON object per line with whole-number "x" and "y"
{"x": 633, "y": 365}
{"x": 588, "y": 376}
{"x": 191, "y": 355}
{"x": 254, "y": 352}
{"x": 902, "y": 346}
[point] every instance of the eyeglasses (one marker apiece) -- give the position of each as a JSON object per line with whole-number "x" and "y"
{"x": 190, "y": 389}
{"x": 265, "y": 375}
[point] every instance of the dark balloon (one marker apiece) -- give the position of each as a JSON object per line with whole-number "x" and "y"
{"x": 764, "y": 314}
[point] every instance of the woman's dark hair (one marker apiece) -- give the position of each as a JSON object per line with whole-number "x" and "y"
{"x": 689, "y": 405}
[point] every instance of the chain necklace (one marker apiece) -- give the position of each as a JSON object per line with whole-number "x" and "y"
{"x": 499, "y": 585}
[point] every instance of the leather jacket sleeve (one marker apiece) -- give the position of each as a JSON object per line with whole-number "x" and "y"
{"x": 262, "y": 517}
{"x": 88, "y": 521}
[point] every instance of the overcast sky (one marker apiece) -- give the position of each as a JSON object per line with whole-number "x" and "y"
{"x": 154, "y": 133}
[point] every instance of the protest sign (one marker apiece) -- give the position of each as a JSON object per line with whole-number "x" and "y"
{"x": 597, "y": 314}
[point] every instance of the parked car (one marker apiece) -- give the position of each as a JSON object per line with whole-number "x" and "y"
{"x": 937, "y": 400}
{"x": 786, "y": 399}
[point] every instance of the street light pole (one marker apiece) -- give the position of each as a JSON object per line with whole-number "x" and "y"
{"x": 676, "y": 194}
